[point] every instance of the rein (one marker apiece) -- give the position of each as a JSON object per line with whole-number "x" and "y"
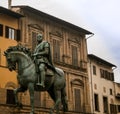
{"x": 27, "y": 66}
{"x": 23, "y": 68}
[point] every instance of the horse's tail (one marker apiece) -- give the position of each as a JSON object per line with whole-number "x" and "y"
{"x": 64, "y": 99}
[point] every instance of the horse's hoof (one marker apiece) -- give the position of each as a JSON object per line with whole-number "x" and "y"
{"x": 19, "y": 105}
{"x": 51, "y": 111}
{"x": 31, "y": 112}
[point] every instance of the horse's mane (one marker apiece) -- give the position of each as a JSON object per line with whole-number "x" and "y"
{"x": 20, "y": 48}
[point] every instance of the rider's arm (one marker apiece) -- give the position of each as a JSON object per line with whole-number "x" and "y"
{"x": 44, "y": 52}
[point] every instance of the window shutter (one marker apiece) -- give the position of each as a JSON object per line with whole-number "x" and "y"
{"x": 6, "y": 32}
{"x": 112, "y": 76}
{"x": 18, "y": 37}
{"x": 0, "y": 56}
{"x": 74, "y": 56}
{"x": 34, "y": 39}
{"x": 94, "y": 70}
{"x": 77, "y": 100}
{"x": 1, "y": 30}
{"x": 105, "y": 104}
{"x": 56, "y": 50}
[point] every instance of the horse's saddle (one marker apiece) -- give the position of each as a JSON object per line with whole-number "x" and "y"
{"x": 49, "y": 72}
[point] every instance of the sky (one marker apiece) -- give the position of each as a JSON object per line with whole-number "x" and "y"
{"x": 100, "y": 17}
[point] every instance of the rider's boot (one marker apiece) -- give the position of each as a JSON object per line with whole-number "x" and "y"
{"x": 42, "y": 79}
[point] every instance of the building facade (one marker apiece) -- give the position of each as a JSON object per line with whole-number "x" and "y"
{"x": 103, "y": 90}
{"x": 90, "y": 82}
{"x": 69, "y": 52}
{"x": 9, "y": 35}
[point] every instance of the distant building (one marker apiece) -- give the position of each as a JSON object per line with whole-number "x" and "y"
{"x": 102, "y": 86}
{"x": 9, "y": 35}
{"x": 117, "y": 97}
{"x": 69, "y": 52}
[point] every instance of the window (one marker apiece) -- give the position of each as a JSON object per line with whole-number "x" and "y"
{"x": 77, "y": 100}
{"x": 34, "y": 39}
{"x": 95, "y": 86}
{"x": 105, "y": 104}
{"x": 113, "y": 109}
{"x": 118, "y": 108}
{"x": 104, "y": 89}
{"x": 111, "y": 92}
{"x": 96, "y": 102}
{"x": 9, "y": 33}
{"x": 1, "y": 30}
{"x": 37, "y": 97}
{"x": 56, "y": 50}
{"x": 10, "y": 97}
{"x": 112, "y": 76}
{"x": 94, "y": 70}
{"x": 102, "y": 73}
{"x": 107, "y": 75}
{"x": 0, "y": 56}
{"x": 74, "y": 56}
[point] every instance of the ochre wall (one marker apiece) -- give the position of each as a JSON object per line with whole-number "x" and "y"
{"x": 5, "y": 75}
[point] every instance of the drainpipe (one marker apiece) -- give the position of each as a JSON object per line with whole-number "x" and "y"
{"x": 90, "y": 36}
{"x": 114, "y": 85}
{"x": 92, "y": 93}
{"x": 9, "y": 4}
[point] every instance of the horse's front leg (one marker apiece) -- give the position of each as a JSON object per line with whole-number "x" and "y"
{"x": 16, "y": 91}
{"x": 31, "y": 92}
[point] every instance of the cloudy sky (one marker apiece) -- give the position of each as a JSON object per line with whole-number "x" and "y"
{"x": 101, "y": 17}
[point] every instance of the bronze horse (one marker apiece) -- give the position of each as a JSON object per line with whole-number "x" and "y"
{"x": 19, "y": 56}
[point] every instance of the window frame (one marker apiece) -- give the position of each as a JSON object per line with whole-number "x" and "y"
{"x": 10, "y": 33}
{"x": 59, "y": 39}
{"x": 78, "y": 84}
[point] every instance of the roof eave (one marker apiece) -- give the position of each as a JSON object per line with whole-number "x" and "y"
{"x": 55, "y": 19}
{"x": 9, "y": 12}
{"x": 100, "y": 59}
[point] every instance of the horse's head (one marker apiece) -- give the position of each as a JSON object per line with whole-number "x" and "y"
{"x": 11, "y": 61}
{"x": 12, "y": 55}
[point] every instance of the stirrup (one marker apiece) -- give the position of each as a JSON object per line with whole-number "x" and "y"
{"x": 40, "y": 84}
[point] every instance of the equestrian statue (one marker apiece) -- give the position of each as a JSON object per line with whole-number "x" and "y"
{"x": 36, "y": 72}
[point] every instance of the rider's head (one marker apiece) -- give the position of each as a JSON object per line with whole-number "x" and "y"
{"x": 39, "y": 37}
